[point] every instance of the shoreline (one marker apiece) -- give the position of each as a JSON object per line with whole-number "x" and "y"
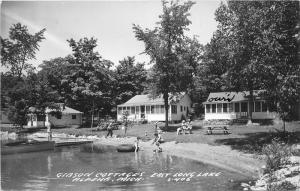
{"x": 219, "y": 156}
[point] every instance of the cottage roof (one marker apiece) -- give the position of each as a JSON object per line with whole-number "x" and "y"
{"x": 148, "y": 100}
{"x": 65, "y": 110}
{"x": 227, "y": 97}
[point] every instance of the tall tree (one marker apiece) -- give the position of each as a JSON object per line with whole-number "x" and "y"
{"x": 261, "y": 46}
{"x": 281, "y": 56}
{"x": 130, "y": 79}
{"x": 19, "y": 95}
{"x": 164, "y": 46}
{"x": 20, "y": 48}
{"x": 89, "y": 77}
{"x": 54, "y": 71}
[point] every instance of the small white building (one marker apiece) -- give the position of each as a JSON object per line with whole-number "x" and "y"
{"x": 235, "y": 105}
{"x": 69, "y": 118}
{"x": 143, "y": 107}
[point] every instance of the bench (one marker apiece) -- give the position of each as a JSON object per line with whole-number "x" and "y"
{"x": 210, "y": 128}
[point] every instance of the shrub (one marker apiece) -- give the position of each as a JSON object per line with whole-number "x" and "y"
{"x": 277, "y": 154}
{"x": 284, "y": 186}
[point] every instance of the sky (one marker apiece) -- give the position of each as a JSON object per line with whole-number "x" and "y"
{"x": 110, "y": 22}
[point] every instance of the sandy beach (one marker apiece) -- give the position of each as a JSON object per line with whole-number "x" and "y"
{"x": 221, "y": 156}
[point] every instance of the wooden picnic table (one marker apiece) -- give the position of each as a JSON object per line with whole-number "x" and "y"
{"x": 210, "y": 128}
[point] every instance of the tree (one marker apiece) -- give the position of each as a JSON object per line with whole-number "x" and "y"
{"x": 54, "y": 71}
{"x": 19, "y": 95}
{"x": 164, "y": 45}
{"x": 282, "y": 57}
{"x": 18, "y": 113}
{"x": 13, "y": 98}
{"x": 89, "y": 77}
{"x": 130, "y": 79}
{"x": 41, "y": 95}
{"x": 260, "y": 42}
{"x": 22, "y": 46}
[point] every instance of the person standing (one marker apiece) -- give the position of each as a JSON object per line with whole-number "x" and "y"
{"x": 49, "y": 133}
{"x": 125, "y": 128}
{"x": 110, "y": 129}
{"x": 189, "y": 126}
{"x": 156, "y": 142}
{"x": 136, "y": 144}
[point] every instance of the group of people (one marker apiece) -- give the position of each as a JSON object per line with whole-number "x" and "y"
{"x": 157, "y": 138}
{"x": 110, "y": 128}
{"x": 186, "y": 126}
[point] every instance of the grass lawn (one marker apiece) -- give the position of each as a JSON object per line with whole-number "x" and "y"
{"x": 248, "y": 139}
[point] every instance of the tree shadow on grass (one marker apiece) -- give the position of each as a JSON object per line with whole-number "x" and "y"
{"x": 254, "y": 142}
{"x": 173, "y": 127}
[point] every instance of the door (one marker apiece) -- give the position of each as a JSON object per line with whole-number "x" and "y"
{"x": 142, "y": 112}
{"x": 244, "y": 109}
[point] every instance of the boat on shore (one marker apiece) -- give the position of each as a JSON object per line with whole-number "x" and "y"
{"x": 25, "y": 146}
{"x": 126, "y": 148}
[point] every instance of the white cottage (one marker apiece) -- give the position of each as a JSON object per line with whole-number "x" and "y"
{"x": 235, "y": 105}
{"x": 143, "y": 107}
{"x": 69, "y": 118}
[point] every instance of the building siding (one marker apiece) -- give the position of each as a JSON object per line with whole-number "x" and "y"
{"x": 185, "y": 102}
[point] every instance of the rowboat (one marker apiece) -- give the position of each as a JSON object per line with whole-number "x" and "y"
{"x": 126, "y": 148}
{"x": 26, "y": 146}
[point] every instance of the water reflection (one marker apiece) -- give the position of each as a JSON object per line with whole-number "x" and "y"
{"x": 38, "y": 171}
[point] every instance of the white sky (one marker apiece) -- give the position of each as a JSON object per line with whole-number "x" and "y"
{"x": 110, "y": 22}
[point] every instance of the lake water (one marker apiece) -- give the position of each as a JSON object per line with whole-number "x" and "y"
{"x": 52, "y": 170}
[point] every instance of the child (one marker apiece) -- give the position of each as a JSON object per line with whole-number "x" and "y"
{"x": 49, "y": 133}
{"x": 136, "y": 144}
{"x": 184, "y": 126}
{"x": 189, "y": 126}
{"x": 125, "y": 127}
{"x": 156, "y": 142}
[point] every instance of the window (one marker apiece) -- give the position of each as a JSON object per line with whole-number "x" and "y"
{"x": 230, "y": 107}
{"x": 213, "y": 108}
{"x": 236, "y": 107}
{"x": 181, "y": 108}
{"x": 244, "y": 107}
{"x": 73, "y": 116}
{"x": 41, "y": 117}
{"x": 207, "y": 108}
{"x": 264, "y": 107}
{"x": 133, "y": 110}
{"x": 148, "y": 109}
{"x": 152, "y": 108}
{"x": 58, "y": 116}
{"x": 119, "y": 110}
{"x": 257, "y": 106}
{"x": 137, "y": 109}
{"x": 124, "y": 109}
{"x": 174, "y": 109}
{"x": 219, "y": 108}
{"x": 225, "y": 106}
{"x": 157, "y": 109}
{"x": 162, "y": 109}
{"x": 184, "y": 108}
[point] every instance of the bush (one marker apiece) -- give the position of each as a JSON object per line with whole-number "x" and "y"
{"x": 277, "y": 155}
{"x": 284, "y": 186}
